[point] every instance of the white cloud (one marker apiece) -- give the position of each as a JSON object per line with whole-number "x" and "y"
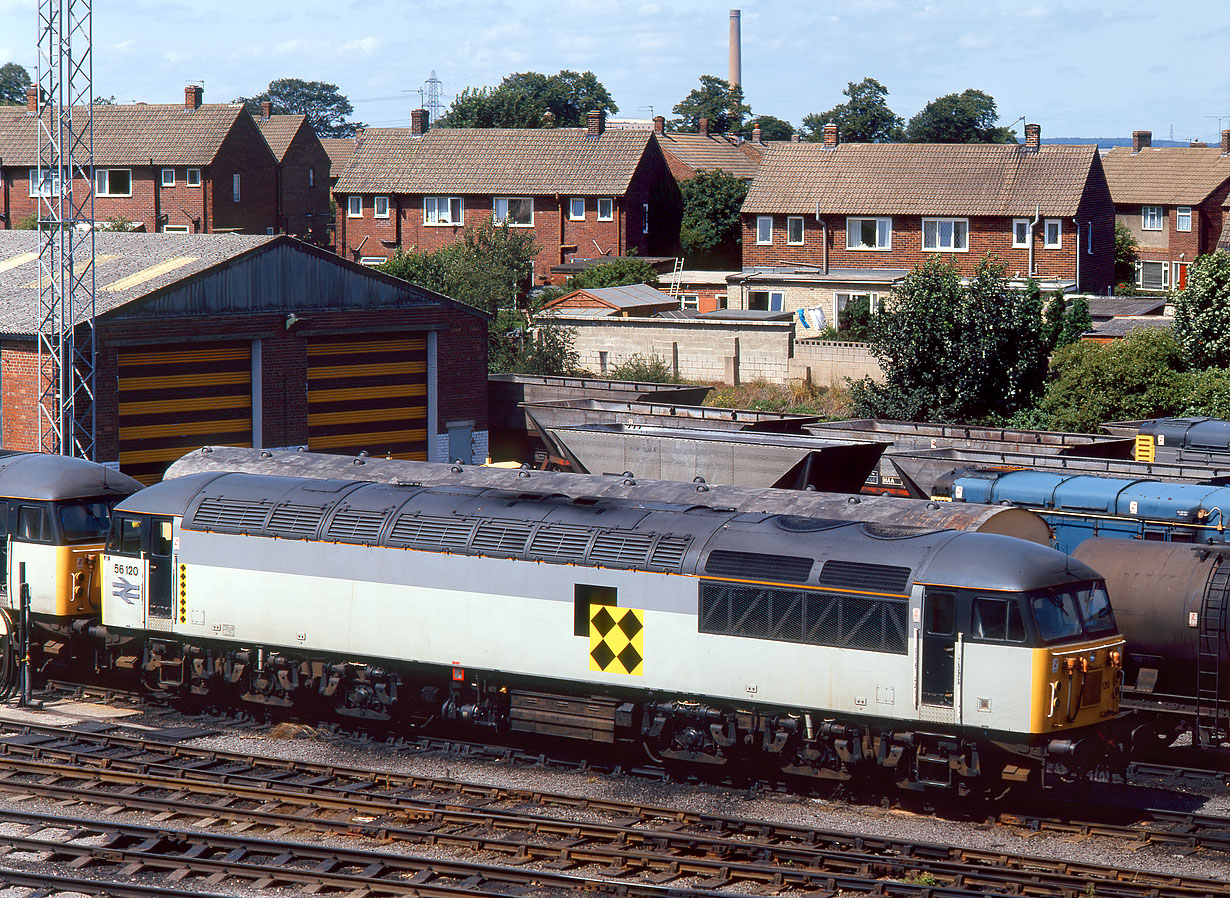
{"x": 1035, "y": 12}
{"x": 367, "y": 45}
{"x": 971, "y": 41}
{"x": 124, "y": 46}
{"x": 174, "y": 56}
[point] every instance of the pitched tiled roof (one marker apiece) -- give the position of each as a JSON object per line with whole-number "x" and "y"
{"x": 920, "y": 179}
{"x": 707, "y": 153}
{"x": 130, "y": 135}
{"x": 279, "y": 131}
{"x": 1165, "y": 175}
{"x": 339, "y": 150}
{"x": 494, "y": 160}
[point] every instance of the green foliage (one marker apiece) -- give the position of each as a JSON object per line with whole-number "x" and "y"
{"x": 517, "y": 345}
{"x": 14, "y": 80}
{"x": 1138, "y": 376}
{"x": 711, "y": 203}
{"x": 954, "y": 352}
{"x": 521, "y": 100}
{"x": 27, "y": 223}
{"x": 1076, "y": 322}
{"x": 718, "y": 101}
{"x": 771, "y": 128}
{"x": 483, "y": 107}
{"x": 104, "y": 101}
{"x": 323, "y": 104}
{"x": 863, "y": 118}
{"x": 117, "y": 223}
{"x": 967, "y": 117}
{"x": 1125, "y": 254}
{"x": 1202, "y": 312}
{"x": 616, "y": 273}
{"x": 1208, "y": 393}
{"x": 646, "y": 369}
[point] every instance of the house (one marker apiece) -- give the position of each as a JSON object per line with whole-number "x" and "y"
{"x": 702, "y": 290}
{"x": 687, "y": 154}
{"x": 339, "y": 150}
{"x": 632, "y": 301}
{"x": 303, "y": 174}
{"x": 195, "y": 168}
{"x": 577, "y": 191}
{"x": 1173, "y": 201}
{"x": 262, "y": 341}
{"x": 822, "y": 212}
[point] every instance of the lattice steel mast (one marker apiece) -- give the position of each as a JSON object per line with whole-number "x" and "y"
{"x": 435, "y": 106}
{"x": 66, "y": 228}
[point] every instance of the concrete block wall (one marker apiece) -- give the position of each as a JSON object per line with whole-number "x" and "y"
{"x": 827, "y": 363}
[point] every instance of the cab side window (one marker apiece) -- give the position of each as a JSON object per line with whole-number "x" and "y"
{"x": 998, "y": 620}
{"x": 33, "y": 524}
{"x": 125, "y": 536}
{"x": 941, "y": 614}
{"x": 160, "y": 538}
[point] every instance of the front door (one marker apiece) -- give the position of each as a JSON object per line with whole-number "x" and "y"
{"x": 939, "y": 648}
{"x": 160, "y": 566}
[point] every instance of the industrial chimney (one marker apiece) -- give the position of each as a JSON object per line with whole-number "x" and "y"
{"x": 736, "y": 61}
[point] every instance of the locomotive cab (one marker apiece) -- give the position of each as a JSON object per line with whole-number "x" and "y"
{"x": 137, "y": 570}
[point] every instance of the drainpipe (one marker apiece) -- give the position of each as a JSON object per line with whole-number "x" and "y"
{"x": 824, "y": 238}
{"x": 1078, "y": 254}
{"x": 1033, "y": 224}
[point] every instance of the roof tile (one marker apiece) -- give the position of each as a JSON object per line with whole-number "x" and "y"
{"x": 1165, "y": 175}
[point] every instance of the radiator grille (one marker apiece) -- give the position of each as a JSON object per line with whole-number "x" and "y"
{"x": 758, "y": 566}
{"x": 615, "y": 549}
{"x": 295, "y": 521}
{"x": 230, "y": 515}
{"x": 866, "y": 577}
{"x": 501, "y": 538}
{"x": 432, "y": 533}
{"x": 668, "y": 553}
{"x": 351, "y": 525}
{"x": 560, "y": 542}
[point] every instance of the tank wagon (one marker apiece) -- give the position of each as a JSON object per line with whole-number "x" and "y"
{"x": 822, "y": 646}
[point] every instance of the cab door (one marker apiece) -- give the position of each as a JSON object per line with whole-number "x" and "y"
{"x": 4, "y": 546}
{"x": 939, "y": 649}
{"x": 158, "y": 593}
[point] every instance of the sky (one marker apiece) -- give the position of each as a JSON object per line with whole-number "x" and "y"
{"x": 1078, "y": 68}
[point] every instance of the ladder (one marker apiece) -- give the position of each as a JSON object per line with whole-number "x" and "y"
{"x": 675, "y": 278}
{"x": 1211, "y": 706}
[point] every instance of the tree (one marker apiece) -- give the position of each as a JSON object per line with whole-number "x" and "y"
{"x": 863, "y": 118}
{"x": 521, "y": 100}
{"x": 771, "y": 128}
{"x": 952, "y": 351}
{"x": 1125, "y": 254}
{"x": 1202, "y": 312}
{"x": 487, "y": 108}
{"x": 967, "y": 117}
{"x": 616, "y": 273}
{"x": 718, "y": 101}
{"x": 1076, "y": 322}
{"x": 323, "y": 104}
{"x": 711, "y": 203}
{"x": 14, "y": 80}
{"x": 104, "y": 101}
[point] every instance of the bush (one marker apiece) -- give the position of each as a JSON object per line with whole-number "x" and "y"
{"x": 648, "y": 369}
{"x": 616, "y": 273}
{"x": 1208, "y": 393}
{"x": 1202, "y": 312}
{"x": 796, "y": 397}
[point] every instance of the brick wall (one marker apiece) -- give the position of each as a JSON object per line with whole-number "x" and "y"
{"x": 244, "y": 152}
{"x": 18, "y": 389}
{"x": 304, "y": 196}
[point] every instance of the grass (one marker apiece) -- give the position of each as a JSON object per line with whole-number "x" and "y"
{"x": 795, "y": 397}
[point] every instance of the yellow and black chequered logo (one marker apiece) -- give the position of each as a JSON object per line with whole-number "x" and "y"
{"x": 183, "y": 593}
{"x": 617, "y": 639}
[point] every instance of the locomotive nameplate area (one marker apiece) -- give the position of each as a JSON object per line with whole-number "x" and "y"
{"x": 616, "y": 640}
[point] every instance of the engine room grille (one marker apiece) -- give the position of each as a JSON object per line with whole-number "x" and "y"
{"x": 354, "y": 526}
{"x": 563, "y": 542}
{"x": 432, "y": 533}
{"x": 669, "y": 552}
{"x": 230, "y": 515}
{"x": 295, "y": 521}
{"x": 813, "y": 618}
{"x": 867, "y": 577}
{"x": 615, "y": 549}
{"x": 758, "y": 566}
{"x": 501, "y": 538}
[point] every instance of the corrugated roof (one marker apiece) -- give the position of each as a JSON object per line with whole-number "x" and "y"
{"x": 630, "y": 296}
{"x": 1170, "y": 176}
{"x": 339, "y": 150}
{"x": 130, "y": 135}
{"x": 494, "y": 161}
{"x": 920, "y": 179}
{"x": 1122, "y": 325}
{"x": 279, "y": 131}
{"x": 707, "y": 153}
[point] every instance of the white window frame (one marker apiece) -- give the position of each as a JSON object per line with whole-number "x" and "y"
{"x": 1140, "y": 270}
{"x": 50, "y": 186}
{"x": 721, "y": 300}
{"x": 572, "y": 208}
{"x": 644, "y": 218}
{"x": 764, "y": 230}
{"x": 431, "y": 211}
{"x": 773, "y": 297}
{"x": 609, "y": 202}
{"x": 371, "y": 261}
{"x": 1047, "y": 242}
{"x": 689, "y": 301}
{"x": 1151, "y": 218}
{"x": 1023, "y": 242}
{"x": 884, "y": 233}
{"x": 175, "y": 229}
{"x": 192, "y": 177}
{"x": 1089, "y": 239}
{"x": 791, "y": 220}
{"x": 354, "y": 206}
{"x": 377, "y": 202}
{"x": 1176, "y": 270}
{"x": 102, "y": 181}
{"x": 311, "y": 176}
{"x": 236, "y": 183}
{"x": 502, "y": 217}
{"x": 937, "y": 231}
{"x": 841, "y": 300}
{"x": 1183, "y": 218}
{"x": 165, "y": 180}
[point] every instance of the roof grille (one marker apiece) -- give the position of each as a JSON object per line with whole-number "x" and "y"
{"x": 669, "y": 552}
{"x": 563, "y": 542}
{"x": 501, "y": 538}
{"x": 865, "y": 577}
{"x": 230, "y": 515}
{"x": 621, "y": 549}
{"x": 436, "y": 534}
{"x": 758, "y": 566}
{"x": 295, "y": 521}
{"x": 354, "y": 526}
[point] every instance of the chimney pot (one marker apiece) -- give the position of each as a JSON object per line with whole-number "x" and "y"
{"x": 32, "y": 93}
{"x": 266, "y": 110}
{"x": 659, "y": 124}
{"x": 193, "y": 94}
{"x": 1225, "y": 142}
{"x": 1140, "y": 140}
{"x": 548, "y": 119}
{"x": 595, "y": 123}
{"x": 1033, "y": 137}
{"x": 418, "y": 121}
{"x": 756, "y": 134}
{"x": 703, "y": 127}
{"x": 830, "y": 134}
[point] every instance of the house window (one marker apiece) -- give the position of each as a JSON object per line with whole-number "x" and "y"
{"x": 1020, "y": 233}
{"x": 354, "y": 207}
{"x": 946, "y": 234}
{"x": 869, "y": 233}
{"x": 764, "y": 301}
{"x": 192, "y": 177}
{"x": 721, "y": 300}
{"x": 841, "y": 300}
{"x": 604, "y": 360}
{"x": 442, "y": 210}
{"x": 1089, "y": 238}
{"x": 1183, "y": 218}
{"x": 372, "y": 260}
{"x": 517, "y": 211}
{"x": 1152, "y": 275}
{"x": 606, "y": 209}
{"x": 382, "y": 207}
{"x": 576, "y": 209}
{"x": 1053, "y": 235}
{"x": 1150, "y": 218}
{"x": 689, "y": 300}
{"x": 49, "y": 186}
{"x": 112, "y": 182}
{"x": 311, "y": 176}
{"x": 235, "y": 187}
{"x": 268, "y": 232}
{"x": 168, "y": 177}
{"x": 764, "y": 230}
{"x": 794, "y": 230}
{"x": 175, "y": 229}
{"x": 644, "y": 218}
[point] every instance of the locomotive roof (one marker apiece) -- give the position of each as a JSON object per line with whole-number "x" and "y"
{"x": 1003, "y": 563}
{"x": 35, "y": 475}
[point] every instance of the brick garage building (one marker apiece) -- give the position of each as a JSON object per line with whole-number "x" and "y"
{"x": 1045, "y": 211}
{"x": 194, "y": 168}
{"x": 303, "y": 175}
{"x": 581, "y": 192}
{"x": 254, "y": 341}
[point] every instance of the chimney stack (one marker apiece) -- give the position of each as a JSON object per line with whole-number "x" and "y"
{"x": 659, "y": 124}
{"x": 1033, "y": 137}
{"x": 193, "y": 94}
{"x": 1225, "y": 142}
{"x": 756, "y": 134}
{"x": 703, "y": 127}
{"x": 266, "y": 110}
{"x": 32, "y": 93}
{"x": 1197, "y": 143}
{"x": 736, "y": 49}
{"x": 548, "y": 119}
{"x": 1140, "y": 140}
{"x": 418, "y": 121}
{"x": 830, "y": 134}
{"x": 595, "y": 123}
{"x": 795, "y": 137}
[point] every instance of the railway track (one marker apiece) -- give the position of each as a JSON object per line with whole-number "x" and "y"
{"x": 277, "y": 799}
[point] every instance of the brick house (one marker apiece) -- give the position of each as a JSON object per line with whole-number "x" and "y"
{"x": 820, "y": 217}
{"x": 339, "y": 150}
{"x": 687, "y": 154}
{"x": 1173, "y": 200}
{"x": 303, "y": 174}
{"x": 580, "y": 192}
{"x": 195, "y": 168}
